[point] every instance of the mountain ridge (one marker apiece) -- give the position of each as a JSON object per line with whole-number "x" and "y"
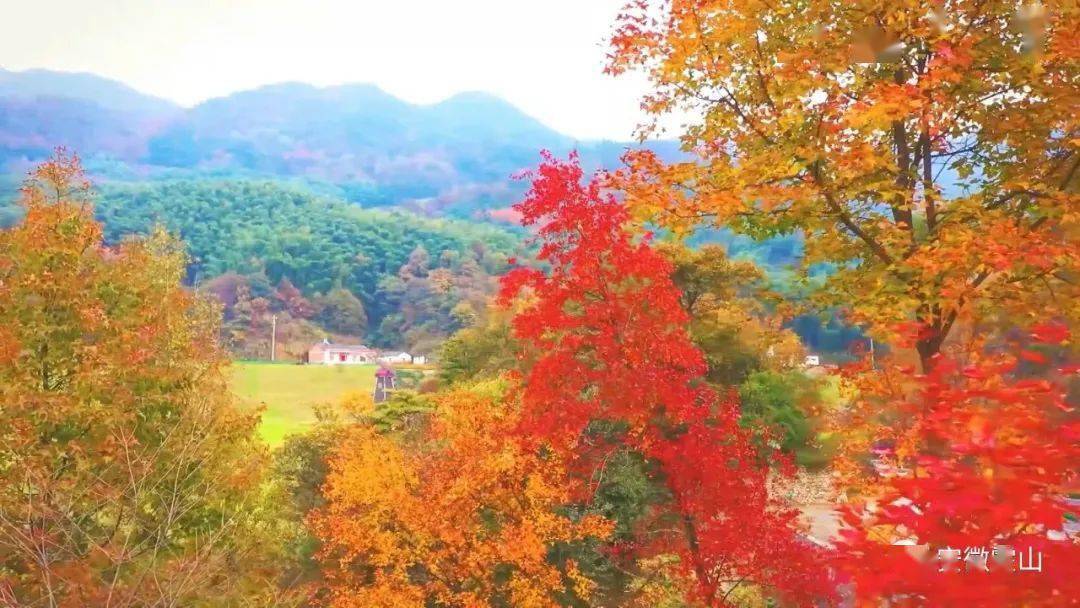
{"x": 454, "y": 156}
{"x": 106, "y": 92}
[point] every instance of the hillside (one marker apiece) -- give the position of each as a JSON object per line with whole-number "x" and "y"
{"x": 263, "y": 248}
{"x": 353, "y": 141}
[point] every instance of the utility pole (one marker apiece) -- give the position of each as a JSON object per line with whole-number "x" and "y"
{"x": 873, "y": 363}
{"x": 273, "y": 337}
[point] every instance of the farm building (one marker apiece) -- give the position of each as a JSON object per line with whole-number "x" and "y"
{"x": 327, "y": 353}
{"x": 402, "y": 357}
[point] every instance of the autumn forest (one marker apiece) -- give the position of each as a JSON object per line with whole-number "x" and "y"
{"x": 814, "y": 346}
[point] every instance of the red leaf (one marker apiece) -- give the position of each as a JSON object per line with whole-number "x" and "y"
{"x": 1033, "y": 356}
{"x": 1050, "y": 333}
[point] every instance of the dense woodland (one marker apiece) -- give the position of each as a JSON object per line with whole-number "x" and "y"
{"x": 407, "y": 281}
{"x": 620, "y": 416}
{"x": 246, "y": 239}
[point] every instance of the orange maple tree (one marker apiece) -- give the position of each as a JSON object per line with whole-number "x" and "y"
{"x": 928, "y": 152}
{"x": 127, "y": 476}
{"x": 466, "y": 520}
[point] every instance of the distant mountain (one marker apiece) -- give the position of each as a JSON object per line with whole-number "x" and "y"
{"x": 486, "y": 117}
{"x": 355, "y": 141}
{"x": 108, "y": 94}
{"x": 97, "y": 117}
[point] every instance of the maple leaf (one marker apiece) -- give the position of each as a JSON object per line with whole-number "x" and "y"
{"x": 1050, "y": 333}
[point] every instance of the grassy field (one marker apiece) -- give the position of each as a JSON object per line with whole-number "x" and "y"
{"x": 290, "y": 391}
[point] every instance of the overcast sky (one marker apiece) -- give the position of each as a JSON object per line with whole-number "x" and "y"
{"x": 544, "y": 56}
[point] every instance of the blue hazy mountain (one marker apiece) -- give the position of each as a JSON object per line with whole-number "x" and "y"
{"x": 355, "y": 141}
{"x": 108, "y": 94}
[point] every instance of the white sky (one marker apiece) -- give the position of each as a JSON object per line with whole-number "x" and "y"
{"x": 544, "y": 56}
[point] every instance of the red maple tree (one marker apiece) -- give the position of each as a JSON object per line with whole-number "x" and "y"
{"x": 607, "y": 341}
{"x": 980, "y": 456}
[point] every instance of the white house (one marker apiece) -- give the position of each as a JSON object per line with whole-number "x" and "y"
{"x": 812, "y": 361}
{"x": 399, "y": 357}
{"x": 326, "y": 353}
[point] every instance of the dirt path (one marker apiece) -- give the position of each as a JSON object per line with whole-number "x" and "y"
{"x": 815, "y": 497}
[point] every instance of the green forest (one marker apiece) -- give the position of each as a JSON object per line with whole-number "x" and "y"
{"x": 393, "y": 277}
{"x": 389, "y": 276}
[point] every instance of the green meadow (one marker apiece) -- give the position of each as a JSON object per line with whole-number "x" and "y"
{"x": 290, "y": 392}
